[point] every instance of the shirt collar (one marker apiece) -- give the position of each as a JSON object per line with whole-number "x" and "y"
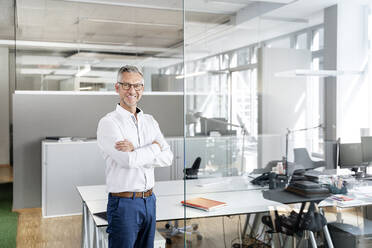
{"x": 126, "y": 113}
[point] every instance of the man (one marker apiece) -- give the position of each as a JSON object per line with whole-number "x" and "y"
{"x": 132, "y": 145}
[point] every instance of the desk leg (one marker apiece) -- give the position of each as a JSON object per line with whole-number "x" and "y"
{"x": 327, "y": 236}
{"x": 325, "y": 230}
{"x": 101, "y": 242}
{"x": 84, "y": 237}
{"x": 96, "y": 238}
{"x": 90, "y": 229}
{"x": 312, "y": 239}
{"x": 246, "y": 225}
{"x": 294, "y": 241}
{"x": 276, "y": 237}
{"x": 105, "y": 237}
{"x": 256, "y": 224}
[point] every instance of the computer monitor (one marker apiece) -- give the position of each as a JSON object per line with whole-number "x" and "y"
{"x": 350, "y": 155}
{"x": 367, "y": 149}
{"x": 209, "y": 124}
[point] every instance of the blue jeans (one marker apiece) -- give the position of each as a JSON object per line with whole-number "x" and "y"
{"x": 131, "y": 222}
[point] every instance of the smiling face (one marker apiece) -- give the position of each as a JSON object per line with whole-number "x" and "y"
{"x": 129, "y": 97}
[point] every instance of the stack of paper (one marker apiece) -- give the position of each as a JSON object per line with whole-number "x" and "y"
{"x": 346, "y": 201}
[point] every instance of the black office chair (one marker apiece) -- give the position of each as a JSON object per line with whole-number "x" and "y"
{"x": 192, "y": 173}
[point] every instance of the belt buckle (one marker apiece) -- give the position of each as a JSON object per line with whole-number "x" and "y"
{"x": 143, "y": 194}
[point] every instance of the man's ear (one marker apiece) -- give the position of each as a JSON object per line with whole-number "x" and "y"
{"x": 117, "y": 87}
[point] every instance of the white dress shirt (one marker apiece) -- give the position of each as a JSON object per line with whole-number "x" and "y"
{"x": 131, "y": 171}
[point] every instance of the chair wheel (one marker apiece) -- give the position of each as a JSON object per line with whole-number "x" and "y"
{"x": 168, "y": 241}
{"x": 167, "y": 226}
{"x": 199, "y": 237}
{"x": 195, "y": 227}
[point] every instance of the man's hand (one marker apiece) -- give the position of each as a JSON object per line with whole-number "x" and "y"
{"x": 155, "y": 142}
{"x": 124, "y": 146}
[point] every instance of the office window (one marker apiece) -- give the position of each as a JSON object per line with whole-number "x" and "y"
{"x": 254, "y": 54}
{"x": 244, "y": 99}
{"x": 243, "y": 56}
{"x": 279, "y": 43}
{"x": 225, "y": 61}
{"x": 317, "y": 39}
{"x": 301, "y": 41}
{"x": 244, "y": 111}
{"x": 315, "y": 138}
{"x": 212, "y": 63}
{"x": 233, "y": 60}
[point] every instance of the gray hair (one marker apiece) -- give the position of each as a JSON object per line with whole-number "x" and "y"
{"x": 128, "y": 68}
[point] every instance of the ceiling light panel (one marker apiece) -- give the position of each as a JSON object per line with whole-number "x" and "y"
{"x": 135, "y": 23}
{"x": 105, "y": 74}
{"x": 114, "y": 64}
{"x": 39, "y": 60}
{"x": 78, "y": 62}
{"x": 157, "y": 4}
{"x": 36, "y": 71}
{"x": 64, "y": 72}
{"x": 104, "y": 56}
{"x": 55, "y": 77}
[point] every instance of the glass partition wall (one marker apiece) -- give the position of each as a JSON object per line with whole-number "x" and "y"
{"x": 276, "y": 86}
{"x": 257, "y": 79}
{"x": 260, "y": 89}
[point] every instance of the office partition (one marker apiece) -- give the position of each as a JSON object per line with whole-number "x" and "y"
{"x": 39, "y": 115}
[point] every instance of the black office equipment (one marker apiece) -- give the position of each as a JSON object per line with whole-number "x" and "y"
{"x": 346, "y": 235}
{"x": 102, "y": 215}
{"x": 355, "y": 156}
{"x": 272, "y": 179}
{"x": 262, "y": 180}
{"x": 208, "y": 125}
{"x": 350, "y": 155}
{"x": 366, "y": 148}
{"x": 307, "y": 189}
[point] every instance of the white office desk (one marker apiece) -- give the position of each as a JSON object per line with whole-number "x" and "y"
{"x": 241, "y": 197}
{"x": 177, "y": 187}
{"x": 361, "y": 197}
{"x": 170, "y": 207}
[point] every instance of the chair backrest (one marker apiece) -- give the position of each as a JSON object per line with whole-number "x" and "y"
{"x": 192, "y": 173}
{"x": 301, "y": 156}
{"x": 196, "y": 164}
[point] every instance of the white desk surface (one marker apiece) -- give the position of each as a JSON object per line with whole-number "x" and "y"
{"x": 361, "y": 197}
{"x": 170, "y": 207}
{"x": 177, "y": 187}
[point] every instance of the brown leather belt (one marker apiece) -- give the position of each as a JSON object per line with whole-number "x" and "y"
{"x": 130, "y": 194}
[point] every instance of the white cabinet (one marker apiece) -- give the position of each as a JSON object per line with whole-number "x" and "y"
{"x": 66, "y": 165}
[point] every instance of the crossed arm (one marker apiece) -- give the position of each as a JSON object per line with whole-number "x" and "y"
{"x": 127, "y": 146}
{"x": 157, "y": 154}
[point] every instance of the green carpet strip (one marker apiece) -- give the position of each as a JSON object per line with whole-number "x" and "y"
{"x": 8, "y": 219}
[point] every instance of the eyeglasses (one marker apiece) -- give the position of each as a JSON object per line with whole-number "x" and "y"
{"x": 127, "y": 86}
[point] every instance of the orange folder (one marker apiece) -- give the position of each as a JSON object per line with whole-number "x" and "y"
{"x": 203, "y": 203}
